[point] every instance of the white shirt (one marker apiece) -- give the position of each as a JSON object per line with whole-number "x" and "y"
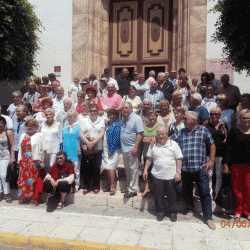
{"x": 9, "y": 122}
{"x": 164, "y": 159}
{"x": 92, "y": 128}
{"x": 209, "y": 103}
{"x": 39, "y": 117}
{"x": 52, "y": 137}
{"x": 73, "y": 89}
{"x": 112, "y": 80}
{"x": 58, "y": 105}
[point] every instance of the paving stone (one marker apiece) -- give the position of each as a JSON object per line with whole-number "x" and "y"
{"x": 181, "y": 242}
{"x": 66, "y": 232}
{"x": 160, "y": 241}
{"x": 245, "y": 245}
{"x": 118, "y": 201}
{"x": 241, "y": 233}
{"x": 187, "y": 229}
{"x": 14, "y": 226}
{"x": 213, "y": 244}
{"x": 98, "y": 235}
{"x": 129, "y": 224}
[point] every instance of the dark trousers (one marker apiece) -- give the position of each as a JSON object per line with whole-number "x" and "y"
{"x": 202, "y": 180}
{"x": 160, "y": 187}
{"x": 91, "y": 170}
{"x": 63, "y": 187}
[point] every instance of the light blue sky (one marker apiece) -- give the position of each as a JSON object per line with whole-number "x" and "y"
{"x": 56, "y": 16}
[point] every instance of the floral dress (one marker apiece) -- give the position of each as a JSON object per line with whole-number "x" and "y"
{"x": 28, "y": 173}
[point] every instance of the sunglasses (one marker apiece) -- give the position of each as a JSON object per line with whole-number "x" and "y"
{"x": 212, "y": 114}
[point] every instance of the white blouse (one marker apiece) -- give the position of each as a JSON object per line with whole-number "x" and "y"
{"x": 52, "y": 137}
{"x": 93, "y": 128}
{"x": 39, "y": 117}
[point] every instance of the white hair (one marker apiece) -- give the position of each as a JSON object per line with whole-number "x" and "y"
{"x": 16, "y": 93}
{"x": 49, "y": 110}
{"x": 128, "y": 103}
{"x": 197, "y": 97}
{"x": 151, "y": 73}
{"x": 67, "y": 99}
{"x": 147, "y": 100}
{"x": 192, "y": 114}
{"x": 74, "y": 113}
{"x": 215, "y": 109}
{"x": 162, "y": 128}
{"x": 162, "y": 73}
{"x": 111, "y": 84}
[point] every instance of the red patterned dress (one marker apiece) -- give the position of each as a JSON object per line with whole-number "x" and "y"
{"x": 28, "y": 173}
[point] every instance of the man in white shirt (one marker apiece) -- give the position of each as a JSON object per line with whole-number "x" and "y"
{"x": 151, "y": 77}
{"x": 62, "y": 115}
{"x": 166, "y": 157}
{"x": 107, "y": 74}
{"x": 58, "y": 101}
{"x": 74, "y": 88}
{"x": 209, "y": 101}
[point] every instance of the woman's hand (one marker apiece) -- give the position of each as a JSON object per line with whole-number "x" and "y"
{"x": 225, "y": 169}
{"x": 90, "y": 144}
{"x": 145, "y": 175}
{"x": 110, "y": 155}
{"x": 146, "y": 140}
{"x": 57, "y": 182}
{"x": 12, "y": 160}
{"x": 177, "y": 177}
{"x": 53, "y": 182}
{"x": 42, "y": 165}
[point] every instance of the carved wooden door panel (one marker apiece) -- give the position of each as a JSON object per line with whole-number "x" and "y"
{"x": 140, "y": 34}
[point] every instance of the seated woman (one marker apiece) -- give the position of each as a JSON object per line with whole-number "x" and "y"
{"x": 59, "y": 178}
{"x": 111, "y": 146}
{"x": 166, "y": 157}
{"x": 71, "y": 144}
{"x": 149, "y": 136}
{"x": 179, "y": 113}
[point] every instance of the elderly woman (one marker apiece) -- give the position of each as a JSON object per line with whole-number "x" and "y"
{"x": 17, "y": 97}
{"x": 135, "y": 77}
{"x": 177, "y": 101}
{"x": 227, "y": 115}
{"x": 237, "y": 160}
{"x": 60, "y": 178}
{"x": 29, "y": 160}
{"x": 92, "y": 91}
{"x": 179, "y": 113}
{"x": 92, "y": 134}
{"x": 37, "y": 104}
{"x": 219, "y": 133}
{"x": 52, "y": 137}
{"x": 133, "y": 98}
{"x": 201, "y": 88}
{"x": 80, "y": 99}
{"x": 166, "y": 158}
{"x": 165, "y": 114}
{"x": 111, "y": 147}
{"x": 40, "y": 116}
{"x": 149, "y": 137}
{"x": 71, "y": 144}
{"x": 7, "y": 156}
{"x": 244, "y": 104}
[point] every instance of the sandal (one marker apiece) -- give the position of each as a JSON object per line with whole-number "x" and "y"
{"x": 145, "y": 194}
{"x": 8, "y": 198}
{"x": 112, "y": 191}
{"x": 21, "y": 201}
{"x": 237, "y": 217}
{"x": 248, "y": 218}
{"x": 60, "y": 205}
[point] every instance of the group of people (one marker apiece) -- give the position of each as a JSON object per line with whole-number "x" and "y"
{"x": 178, "y": 130}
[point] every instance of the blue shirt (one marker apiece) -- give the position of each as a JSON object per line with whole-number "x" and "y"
{"x": 193, "y": 146}
{"x": 172, "y": 80}
{"x": 52, "y": 94}
{"x": 18, "y": 129}
{"x": 129, "y": 131}
{"x": 141, "y": 86}
{"x": 154, "y": 97}
{"x": 30, "y": 97}
{"x": 202, "y": 114}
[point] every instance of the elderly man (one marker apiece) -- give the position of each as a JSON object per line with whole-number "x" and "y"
{"x": 151, "y": 77}
{"x": 131, "y": 137}
{"x": 193, "y": 141}
{"x": 74, "y": 88}
{"x": 209, "y": 101}
{"x": 58, "y": 100}
{"x": 141, "y": 86}
{"x": 123, "y": 82}
{"x": 107, "y": 74}
{"x": 17, "y": 97}
{"x": 62, "y": 115}
{"x": 166, "y": 157}
{"x": 165, "y": 86}
{"x": 232, "y": 92}
{"x": 112, "y": 100}
{"x": 202, "y": 113}
{"x": 154, "y": 95}
{"x": 9, "y": 122}
{"x": 52, "y": 93}
{"x": 31, "y": 95}
{"x": 173, "y": 77}
{"x": 146, "y": 106}
{"x": 19, "y": 125}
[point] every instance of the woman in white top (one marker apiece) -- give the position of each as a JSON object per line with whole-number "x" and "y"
{"x": 167, "y": 157}
{"x": 133, "y": 99}
{"x": 52, "y": 137}
{"x": 92, "y": 134}
{"x": 40, "y": 116}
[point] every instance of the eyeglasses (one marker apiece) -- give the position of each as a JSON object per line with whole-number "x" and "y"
{"x": 211, "y": 114}
{"x": 110, "y": 87}
{"x": 59, "y": 158}
{"x": 135, "y": 74}
{"x": 219, "y": 100}
{"x": 93, "y": 111}
{"x": 245, "y": 118}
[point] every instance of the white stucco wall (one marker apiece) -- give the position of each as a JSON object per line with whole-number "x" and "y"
{"x": 56, "y": 38}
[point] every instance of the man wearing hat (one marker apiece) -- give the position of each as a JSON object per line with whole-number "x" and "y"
{"x": 52, "y": 78}
{"x": 107, "y": 75}
{"x": 103, "y": 86}
{"x": 173, "y": 77}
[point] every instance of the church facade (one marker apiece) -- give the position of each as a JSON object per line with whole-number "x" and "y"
{"x": 142, "y": 35}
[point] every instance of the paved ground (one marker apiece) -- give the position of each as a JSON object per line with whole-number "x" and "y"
{"x": 126, "y": 227}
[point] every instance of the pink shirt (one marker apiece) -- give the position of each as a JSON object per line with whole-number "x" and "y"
{"x": 114, "y": 102}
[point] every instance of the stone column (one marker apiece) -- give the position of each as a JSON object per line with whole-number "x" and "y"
{"x": 90, "y": 38}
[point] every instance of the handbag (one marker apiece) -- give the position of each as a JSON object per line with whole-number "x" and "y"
{"x": 63, "y": 175}
{"x": 225, "y": 197}
{"x": 12, "y": 172}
